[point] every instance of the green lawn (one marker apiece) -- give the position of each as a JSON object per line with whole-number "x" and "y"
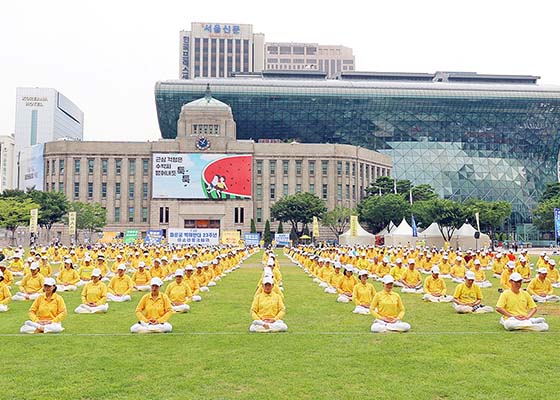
{"x": 328, "y": 352}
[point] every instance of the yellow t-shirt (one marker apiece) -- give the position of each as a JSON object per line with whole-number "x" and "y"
{"x": 467, "y": 295}
{"x": 516, "y": 304}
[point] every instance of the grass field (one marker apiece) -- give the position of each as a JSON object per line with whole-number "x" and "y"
{"x": 328, "y": 352}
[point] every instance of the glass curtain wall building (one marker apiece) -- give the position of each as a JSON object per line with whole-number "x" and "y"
{"x": 467, "y": 135}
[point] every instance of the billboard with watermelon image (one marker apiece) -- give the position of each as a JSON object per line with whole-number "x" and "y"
{"x": 201, "y": 176}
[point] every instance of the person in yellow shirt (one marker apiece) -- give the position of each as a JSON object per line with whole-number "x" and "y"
{"x": 179, "y": 292}
{"x": 553, "y": 274}
{"x": 540, "y": 288}
{"x": 141, "y": 278}
{"x": 382, "y": 269}
{"x": 480, "y": 275}
{"x": 44, "y": 267}
{"x": 388, "y": 309}
{"x": 518, "y": 308}
{"x": 523, "y": 269}
{"x": 8, "y": 276}
{"x": 411, "y": 280}
{"x": 94, "y": 296}
{"x": 468, "y": 297}
{"x": 192, "y": 281}
{"x": 84, "y": 271}
{"x": 5, "y": 295}
{"x": 201, "y": 277}
{"x": 120, "y": 287}
{"x": 498, "y": 265}
{"x": 346, "y": 285}
{"x": 505, "y": 283}
{"x": 16, "y": 266}
{"x": 334, "y": 278}
{"x": 68, "y": 278}
{"x": 267, "y": 310}
{"x": 397, "y": 271}
{"x": 157, "y": 270}
{"x": 47, "y": 311}
{"x": 435, "y": 288}
{"x": 31, "y": 285}
{"x": 363, "y": 294}
{"x": 153, "y": 311}
{"x": 458, "y": 270}
{"x": 445, "y": 267}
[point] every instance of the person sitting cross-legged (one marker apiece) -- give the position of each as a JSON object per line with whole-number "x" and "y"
{"x": 410, "y": 279}
{"x": 435, "y": 288}
{"x": 363, "y": 294}
{"x": 179, "y": 292}
{"x": 540, "y": 288}
{"x": 267, "y": 310}
{"x": 468, "y": 297}
{"x": 47, "y": 311}
{"x": 94, "y": 295}
{"x": 120, "y": 286}
{"x": 153, "y": 311}
{"x": 388, "y": 309}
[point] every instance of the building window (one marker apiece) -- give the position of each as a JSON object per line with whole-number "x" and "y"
{"x": 259, "y": 214}
{"x": 311, "y": 168}
{"x": 367, "y": 172}
{"x": 285, "y": 167}
{"x": 47, "y": 187}
{"x": 353, "y": 169}
{"x": 103, "y": 190}
{"x": 91, "y": 163}
{"x": 164, "y": 215}
{"x": 48, "y": 165}
{"x": 259, "y": 167}
{"x": 325, "y": 167}
{"x": 285, "y": 189}
{"x": 117, "y": 214}
{"x": 362, "y": 171}
{"x": 272, "y": 167}
{"x": 145, "y": 191}
{"x": 77, "y": 162}
{"x": 325, "y": 191}
{"x": 347, "y": 168}
{"x": 76, "y": 190}
{"x": 298, "y": 187}
{"x": 145, "y": 166}
{"x": 131, "y": 191}
{"x": 272, "y": 191}
{"x": 298, "y": 167}
{"x": 354, "y": 192}
{"x": 144, "y": 214}
{"x": 117, "y": 190}
{"x": 259, "y": 191}
{"x": 90, "y": 190}
{"x": 104, "y": 166}
{"x": 339, "y": 191}
{"x": 130, "y": 214}
{"x": 339, "y": 168}
{"x": 118, "y": 166}
{"x": 239, "y": 215}
{"x": 347, "y": 192}
{"x": 132, "y": 167}
{"x": 53, "y": 170}
{"x": 312, "y": 188}
{"x": 61, "y": 187}
{"x": 61, "y": 167}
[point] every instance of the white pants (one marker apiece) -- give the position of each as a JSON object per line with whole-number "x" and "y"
{"x": 204, "y": 289}
{"x": 436, "y": 299}
{"x": 543, "y": 299}
{"x": 533, "y": 324}
{"x": 117, "y": 299}
{"x": 142, "y": 288}
{"x": 445, "y": 276}
{"x": 66, "y": 288}
{"x": 196, "y": 297}
{"x": 30, "y": 327}
{"x": 462, "y": 309}
{"x": 21, "y": 296}
{"x": 85, "y": 309}
{"x": 412, "y": 290}
{"x": 556, "y": 285}
{"x": 144, "y": 327}
{"x": 330, "y": 289}
{"x": 3, "y": 308}
{"x": 323, "y": 284}
{"x": 17, "y": 273}
{"x": 343, "y": 299}
{"x": 316, "y": 280}
{"x": 82, "y": 283}
{"x": 397, "y": 283}
{"x": 361, "y": 310}
{"x": 211, "y": 283}
{"x": 484, "y": 284}
{"x": 380, "y": 326}
{"x": 458, "y": 280}
{"x": 277, "y": 326}
{"x": 183, "y": 308}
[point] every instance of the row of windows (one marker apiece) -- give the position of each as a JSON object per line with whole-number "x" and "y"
{"x": 205, "y": 129}
{"x": 51, "y": 169}
{"x": 144, "y": 217}
{"x": 370, "y": 170}
{"x": 117, "y": 192}
{"x": 324, "y": 191}
{"x": 309, "y": 50}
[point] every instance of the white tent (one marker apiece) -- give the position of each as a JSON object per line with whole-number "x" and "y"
{"x": 431, "y": 236}
{"x": 400, "y": 236}
{"x": 387, "y": 229}
{"x": 464, "y": 238}
{"x": 363, "y": 237}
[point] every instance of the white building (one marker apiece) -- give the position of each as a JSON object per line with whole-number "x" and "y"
{"x": 7, "y": 162}
{"x": 42, "y": 115}
{"x": 218, "y": 49}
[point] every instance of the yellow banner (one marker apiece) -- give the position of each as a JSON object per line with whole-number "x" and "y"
{"x": 231, "y": 237}
{"x": 315, "y": 227}
{"x": 72, "y": 223}
{"x": 33, "y": 220}
{"x": 353, "y": 225}
{"x": 108, "y": 237}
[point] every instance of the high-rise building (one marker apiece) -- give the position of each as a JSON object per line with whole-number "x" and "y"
{"x": 309, "y": 56}
{"x": 218, "y": 49}
{"x": 42, "y": 115}
{"x": 7, "y": 162}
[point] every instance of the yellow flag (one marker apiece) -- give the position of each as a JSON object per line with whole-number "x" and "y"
{"x": 33, "y": 220}
{"x": 72, "y": 223}
{"x": 353, "y": 225}
{"x": 315, "y": 227}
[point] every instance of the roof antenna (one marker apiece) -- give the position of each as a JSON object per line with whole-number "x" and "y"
{"x": 208, "y": 94}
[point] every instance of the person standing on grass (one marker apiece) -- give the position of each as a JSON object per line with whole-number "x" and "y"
{"x": 267, "y": 310}
{"x": 153, "y": 311}
{"x": 363, "y": 294}
{"x": 388, "y": 309}
{"x": 518, "y": 308}
{"x": 94, "y": 295}
{"x": 468, "y": 297}
{"x": 47, "y": 311}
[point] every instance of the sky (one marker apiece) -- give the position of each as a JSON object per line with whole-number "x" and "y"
{"x": 106, "y": 56}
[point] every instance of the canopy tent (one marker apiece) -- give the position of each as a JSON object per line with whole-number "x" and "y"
{"x": 464, "y": 238}
{"x": 363, "y": 237}
{"x": 431, "y": 236}
{"x": 400, "y": 236}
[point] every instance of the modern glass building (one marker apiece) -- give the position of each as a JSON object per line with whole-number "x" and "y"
{"x": 492, "y": 137}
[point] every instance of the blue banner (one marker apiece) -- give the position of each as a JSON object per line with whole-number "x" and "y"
{"x": 557, "y": 222}
{"x": 153, "y": 236}
{"x": 282, "y": 239}
{"x": 414, "y": 227}
{"x": 252, "y": 239}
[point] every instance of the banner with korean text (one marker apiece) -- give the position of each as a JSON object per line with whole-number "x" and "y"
{"x": 193, "y": 236}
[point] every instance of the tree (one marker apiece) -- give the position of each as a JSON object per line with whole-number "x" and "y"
{"x": 551, "y": 191}
{"x": 280, "y": 228}
{"x": 378, "y": 211}
{"x": 337, "y": 220}
{"x": 253, "y": 226}
{"x": 15, "y": 212}
{"x": 543, "y": 214}
{"x": 14, "y": 193}
{"x": 53, "y": 206}
{"x": 267, "y": 236}
{"x": 423, "y": 192}
{"x": 492, "y": 214}
{"x": 448, "y": 214}
{"x": 298, "y": 209}
{"x": 386, "y": 185}
{"x": 89, "y": 216}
